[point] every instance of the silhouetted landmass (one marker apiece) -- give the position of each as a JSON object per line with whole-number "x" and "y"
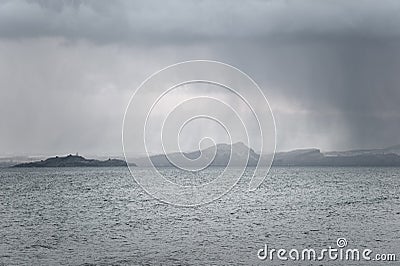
{"x": 313, "y": 157}
{"x": 218, "y": 155}
{"x": 304, "y": 157}
{"x": 222, "y": 153}
{"x": 73, "y": 161}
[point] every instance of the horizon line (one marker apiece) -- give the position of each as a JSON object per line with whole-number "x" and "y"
{"x": 121, "y": 154}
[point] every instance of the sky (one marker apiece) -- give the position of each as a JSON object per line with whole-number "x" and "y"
{"x": 329, "y": 69}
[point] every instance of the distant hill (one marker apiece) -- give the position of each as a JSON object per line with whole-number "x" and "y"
{"x": 299, "y": 157}
{"x": 222, "y": 155}
{"x": 314, "y": 157}
{"x": 73, "y": 161}
{"x": 303, "y": 157}
{"x": 392, "y": 149}
{"x": 389, "y": 156}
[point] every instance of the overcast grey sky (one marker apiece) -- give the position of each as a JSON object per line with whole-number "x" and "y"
{"x": 330, "y": 69}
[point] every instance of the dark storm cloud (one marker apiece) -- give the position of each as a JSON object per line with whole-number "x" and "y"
{"x": 177, "y": 21}
{"x": 345, "y": 90}
{"x": 329, "y": 68}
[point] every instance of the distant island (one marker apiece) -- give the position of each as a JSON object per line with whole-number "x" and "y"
{"x": 237, "y": 152}
{"x": 224, "y": 154}
{"x": 314, "y": 157}
{"x": 73, "y": 161}
{"x": 389, "y": 156}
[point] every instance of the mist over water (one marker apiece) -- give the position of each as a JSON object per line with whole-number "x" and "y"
{"x": 101, "y": 216}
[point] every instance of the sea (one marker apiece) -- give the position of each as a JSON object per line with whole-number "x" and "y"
{"x": 101, "y": 216}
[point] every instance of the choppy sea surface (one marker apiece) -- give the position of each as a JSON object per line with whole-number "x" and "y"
{"x": 100, "y": 216}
